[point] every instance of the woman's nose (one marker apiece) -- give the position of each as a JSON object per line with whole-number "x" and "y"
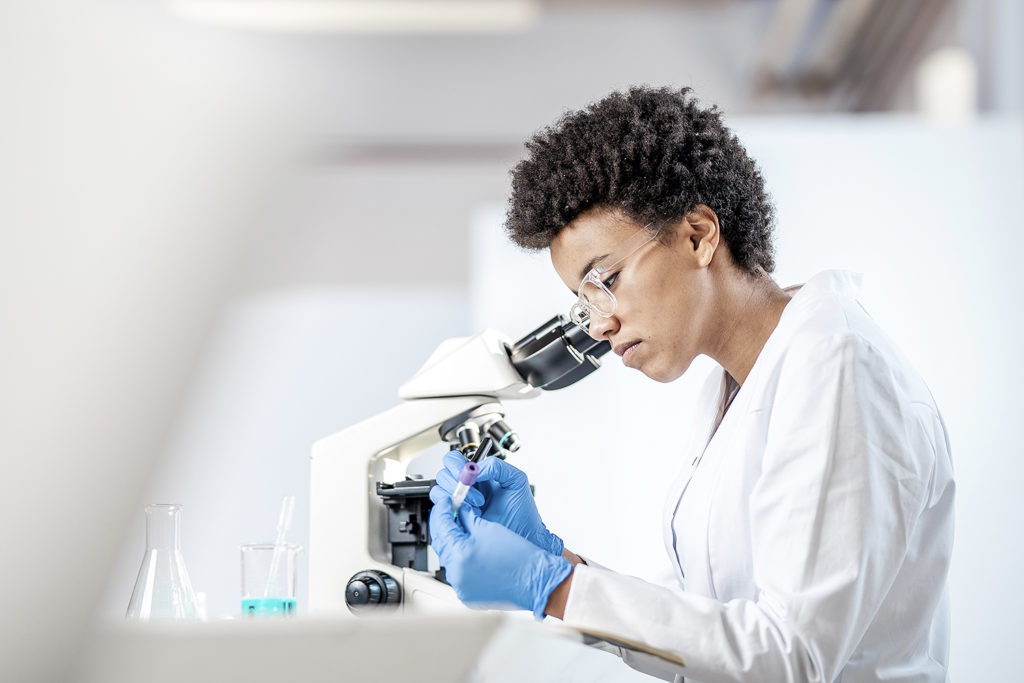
{"x": 600, "y": 327}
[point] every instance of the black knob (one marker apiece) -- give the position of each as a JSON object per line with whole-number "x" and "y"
{"x": 371, "y": 589}
{"x": 360, "y": 592}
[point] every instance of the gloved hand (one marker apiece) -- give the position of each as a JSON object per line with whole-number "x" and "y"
{"x": 489, "y": 565}
{"x": 501, "y": 495}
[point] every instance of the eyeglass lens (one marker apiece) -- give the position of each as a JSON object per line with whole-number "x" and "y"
{"x": 597, "y": 297}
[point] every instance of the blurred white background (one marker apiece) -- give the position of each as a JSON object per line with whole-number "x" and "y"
{"x": 219, "y": 243}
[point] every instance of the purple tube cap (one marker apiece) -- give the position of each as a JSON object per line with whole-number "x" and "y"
{"x": 468, "y": 474}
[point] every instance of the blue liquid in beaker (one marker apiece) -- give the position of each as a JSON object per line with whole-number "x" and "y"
{"x": 268, "y": 606}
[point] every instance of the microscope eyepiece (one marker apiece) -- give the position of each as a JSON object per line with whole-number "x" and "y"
{"x": 557, "y": 354}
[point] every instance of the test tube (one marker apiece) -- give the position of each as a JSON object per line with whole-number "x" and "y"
{"x": 467, "y": 477}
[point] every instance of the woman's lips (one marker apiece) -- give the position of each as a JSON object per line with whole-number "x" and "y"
{"x": 629, "y": 353}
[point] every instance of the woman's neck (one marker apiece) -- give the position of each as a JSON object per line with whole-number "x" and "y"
{"x": 751, "y": 309}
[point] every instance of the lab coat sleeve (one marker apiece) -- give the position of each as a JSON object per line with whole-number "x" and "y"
{"x": 644, "y": 663}
{"x": 831, "y": 517}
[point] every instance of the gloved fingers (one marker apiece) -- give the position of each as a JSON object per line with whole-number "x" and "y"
{"x": 494, "y": 469}
{"x": 474, "y": 498}
{"x": 446, "y": 481}
{"x": 470, "y": 518}
{"x": 453, "y": 461}
{"x": 475, "y": 524}
{"x": 439, "y": 492}
{"x": 443, "y": 529}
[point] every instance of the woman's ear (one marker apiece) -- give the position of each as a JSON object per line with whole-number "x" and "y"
{"x": 704, "y": 234}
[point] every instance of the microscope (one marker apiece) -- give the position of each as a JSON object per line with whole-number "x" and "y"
{"x": 369, "y": 541}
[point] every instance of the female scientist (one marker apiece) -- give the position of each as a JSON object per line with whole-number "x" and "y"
{"x": 811, "y": 526}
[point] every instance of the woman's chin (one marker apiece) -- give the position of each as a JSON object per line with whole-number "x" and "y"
{"x": 660, "y": 373}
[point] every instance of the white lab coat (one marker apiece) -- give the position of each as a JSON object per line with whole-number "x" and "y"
{"x": 811, "y": 532}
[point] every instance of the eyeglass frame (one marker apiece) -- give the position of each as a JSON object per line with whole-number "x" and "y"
{"x": 579, "y": 312}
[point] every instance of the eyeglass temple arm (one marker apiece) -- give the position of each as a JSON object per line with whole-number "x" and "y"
{"x": 557, "y": 354}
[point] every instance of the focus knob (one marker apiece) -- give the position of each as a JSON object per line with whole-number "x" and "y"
{"x": 371, "y": 589}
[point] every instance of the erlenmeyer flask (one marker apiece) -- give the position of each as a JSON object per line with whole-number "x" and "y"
{"x": 162, "y": 590}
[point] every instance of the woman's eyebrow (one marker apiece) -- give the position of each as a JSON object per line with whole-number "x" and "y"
{"x": 590, "y": 264}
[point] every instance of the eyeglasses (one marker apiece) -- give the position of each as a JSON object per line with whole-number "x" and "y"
{"x": 595, "y": 297}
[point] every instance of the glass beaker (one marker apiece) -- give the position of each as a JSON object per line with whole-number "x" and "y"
{"x": 268, "y": 579}
{"x": 162, "y": 589}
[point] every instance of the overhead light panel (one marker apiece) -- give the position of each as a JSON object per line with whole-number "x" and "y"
{"x": 364, "y": 16}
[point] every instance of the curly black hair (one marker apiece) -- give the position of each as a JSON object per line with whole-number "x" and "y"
{"x": 654, "y": 155}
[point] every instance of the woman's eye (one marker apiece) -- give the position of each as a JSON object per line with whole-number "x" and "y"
{"x": 610, "y": 280}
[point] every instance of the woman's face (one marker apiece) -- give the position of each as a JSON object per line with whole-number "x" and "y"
{"x": 662, "y": 290}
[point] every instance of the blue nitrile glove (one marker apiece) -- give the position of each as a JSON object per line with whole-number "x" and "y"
{"x": 489, "y": 565}
{"x": 501, "y": 495}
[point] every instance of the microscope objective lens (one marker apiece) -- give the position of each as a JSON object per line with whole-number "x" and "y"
{"x": 469, "y": 439}
{"x": 503, "y": 435}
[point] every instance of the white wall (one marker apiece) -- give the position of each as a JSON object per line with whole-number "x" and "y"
{"x": 930, "y": 217}
{"x": 127, "y": 183}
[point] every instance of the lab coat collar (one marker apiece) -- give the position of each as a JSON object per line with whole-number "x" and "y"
{"x": 842, "y": 283}
{"x": 846, "y": 282}
{"x": 837, "y": 282}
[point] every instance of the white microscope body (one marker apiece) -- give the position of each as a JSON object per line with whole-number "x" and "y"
{"x": 366, "y": 553}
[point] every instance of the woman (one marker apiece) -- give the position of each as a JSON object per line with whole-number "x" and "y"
{"x": 811, "y": 526}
